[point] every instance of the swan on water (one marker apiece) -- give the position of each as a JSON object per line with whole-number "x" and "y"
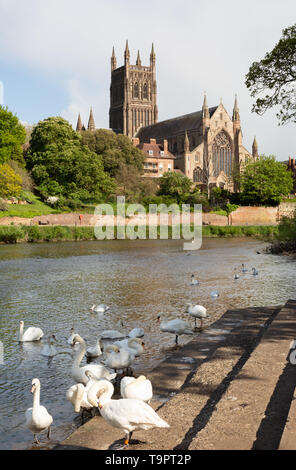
{"x": 112, "y": 334}
{"x": 70, "y": 340}
{"x": 94, "y": 351}
{"x": 127, "y": 414}
{"x": 244, "y": 269}
{"x": 176, "y": 326}
{"x": 102, "y": 308}
{"x": 236, "y": 276}
{"x": 31, "y": 334}
{"x": 37, "y": 418}
{"x": 255, "y": 272}
{"x": 134, "y": 345}
{"x": 215, "y": 294}
{"x": 194, "y": 282}
{"x": 117, "y": 358}
{"x": 197, "y": 311}
{"x": 136, "y": 333}
{"x": 78, "y": 373}
{"x": 140, "y": 388}
{"x": 49, "y": 350}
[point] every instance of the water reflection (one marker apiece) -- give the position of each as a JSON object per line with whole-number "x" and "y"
{"x": 53, "y": 286}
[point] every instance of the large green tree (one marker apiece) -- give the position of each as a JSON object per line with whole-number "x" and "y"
{"x": 62, "y": 166}
{"x": 12, "y": 136}
{"x": 115, "y": 150}
{"x": 276, "y": 75}
{"x": 174, "y": 184}
{"x": 265, "y": 181}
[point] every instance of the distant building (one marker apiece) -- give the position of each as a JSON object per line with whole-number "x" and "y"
{"x": 158, "y": 159}
{"x": 91, "y": 123}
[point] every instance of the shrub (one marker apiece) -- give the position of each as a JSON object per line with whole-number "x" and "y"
{"x": 10, "y": 182}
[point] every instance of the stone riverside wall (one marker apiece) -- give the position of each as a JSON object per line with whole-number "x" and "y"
{"x": 243, "y": 216}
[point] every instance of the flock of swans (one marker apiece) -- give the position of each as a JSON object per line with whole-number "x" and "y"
{"x": 94, "y": 382}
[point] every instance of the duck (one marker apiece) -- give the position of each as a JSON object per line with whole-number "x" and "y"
{"x": 136, "y": 333}
{"x": 194, "y": 282}
{"x": 139, "y": 388}
{"x": 133, "y": 345}
{"x": 49, "y": 350}
{"x": 94, "y": 351}
{"x": 78, "y": 373}
{"x": 197, "y": 311}
{"x": 37, "y": 418}
{"x": 117, "y": 358}
{"x": 102, "y": 308}
{"x": 31, "y": 334}
{"x": 176, "y": 326}
{"x": 127, "y": 414}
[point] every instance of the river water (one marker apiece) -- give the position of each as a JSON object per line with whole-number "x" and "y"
{"x": 53, "y": 286}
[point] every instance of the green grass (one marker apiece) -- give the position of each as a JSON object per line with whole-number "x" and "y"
{"x": 35, "y": 233}
{"x": 29, "y": 210}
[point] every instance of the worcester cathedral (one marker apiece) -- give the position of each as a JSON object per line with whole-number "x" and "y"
{"x": 205, "y": 145}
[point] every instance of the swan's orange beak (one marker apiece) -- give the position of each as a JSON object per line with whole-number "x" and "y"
{"x": 143, "y": 344}
{"x": 33, "y": 389}
{"x": 100, "y": 406}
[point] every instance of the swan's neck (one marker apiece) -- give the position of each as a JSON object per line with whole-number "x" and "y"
{"x": 80, "y": 355}
{"x": 106, "y": 396}
{"x": 36, "y": 399}
{"x": 21, "y": 332}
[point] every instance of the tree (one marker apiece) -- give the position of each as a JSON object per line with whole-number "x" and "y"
{"x": 10, "y": 182}
{"x": 174, "y": 184}
{"x": 264, "y": 181}
{"x": 114, "y": 150}
{"x": 62, "y": 166}
{"x": 276, "y": 73}
{"x": 12, "y": 137}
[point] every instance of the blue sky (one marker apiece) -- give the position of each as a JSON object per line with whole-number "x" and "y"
{"x": 55, "y": 57}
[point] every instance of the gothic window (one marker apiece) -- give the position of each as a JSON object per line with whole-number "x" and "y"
{"x": 197, "y": 175}
{"x": 145, "y": 91}
{"x": 222, "y": 154}
{"x": 136, "y": 90}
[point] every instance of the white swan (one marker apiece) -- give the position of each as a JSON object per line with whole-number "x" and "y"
{"x": 78, "y": 373}
{"x": 95, "y": 351}
{"x": 194, "y": 282}
{"x": 134, "y": 345}
{"x": 140, "y": 388}
{"x": 70, "y": 340}
{"x": 102, "y": 308}
{"x": 117, "y": 358}
{"x": 77, "y": 395}
{"x": 136, "y": 333}
{"x": 31, "y": 334}
{"x": 176, "y": 326}
{"x": 197, "y": 311}
{"x": 49, "y": 350}
{"x": 37, "y": 418}
{"x": 215, "y": 294}
{"x": 127, "y": 414}
{"x": 112, "y": 334}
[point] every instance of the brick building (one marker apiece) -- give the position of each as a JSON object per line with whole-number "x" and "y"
{"x": 158, "y": 158}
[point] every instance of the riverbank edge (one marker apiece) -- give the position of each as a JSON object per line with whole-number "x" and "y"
{"x": 38, "y": 234}
{"x": 174, "y": 374}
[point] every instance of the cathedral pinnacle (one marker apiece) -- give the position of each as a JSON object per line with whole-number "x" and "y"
{"x": 236, "y": 116}
{"x": 79, "y": 124}
{"x": 205, "y": 108}
{"x": 186, "y": 144}
{"x": 126, "y": 53}
{"x": 113, "y": 60}
{"x": 91, "y": 122}
{"x": 138, "y": 59}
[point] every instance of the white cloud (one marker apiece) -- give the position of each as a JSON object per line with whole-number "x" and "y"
{"x": 200, "y": 46}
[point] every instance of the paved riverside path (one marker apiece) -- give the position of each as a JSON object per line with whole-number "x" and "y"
{"x": 234, "y": 393}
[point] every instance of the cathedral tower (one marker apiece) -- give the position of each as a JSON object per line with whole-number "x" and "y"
{"x": 133, "y": 94}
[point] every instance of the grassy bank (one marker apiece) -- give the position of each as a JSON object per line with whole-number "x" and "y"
{"x": 21, "y": 233}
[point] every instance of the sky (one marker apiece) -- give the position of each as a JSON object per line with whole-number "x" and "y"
{"x": 55, "y": 57}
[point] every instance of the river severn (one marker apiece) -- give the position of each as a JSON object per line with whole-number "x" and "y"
{"x": 53, "y": 286}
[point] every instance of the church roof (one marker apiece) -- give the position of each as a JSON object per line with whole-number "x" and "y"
{"x": 171, "y": 127}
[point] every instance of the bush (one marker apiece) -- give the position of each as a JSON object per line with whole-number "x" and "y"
{"x": 10, "y": 182}
{"x": 3, "y": 206}
{"x": 27, "y": 180}
{"x": 11, "y": 234}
